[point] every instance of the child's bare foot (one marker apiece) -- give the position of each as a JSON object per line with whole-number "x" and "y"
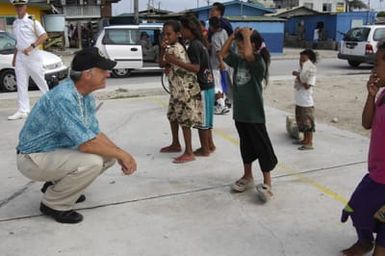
{"x": 358, "y": 249}
{"x": 201, "y": 152}
{"x": 171, "y": 149}
{"x": 184, "y": 158}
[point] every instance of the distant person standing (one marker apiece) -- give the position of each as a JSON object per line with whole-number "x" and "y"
{"x": 218, "y": 39}
{"x": 317, "y": 34}
{"x": 27, "y": 58}
{"x": 218, "y": 10}
{"x": 303, "y": 94}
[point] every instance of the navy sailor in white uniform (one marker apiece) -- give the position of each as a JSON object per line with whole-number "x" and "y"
{"x": 27, "y": 59}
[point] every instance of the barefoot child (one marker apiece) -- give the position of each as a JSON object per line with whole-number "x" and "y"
{"x": 183, "y": 109}
{"x": 250, "y": 68}
{"x": 303, "y": 86}
{"x": 364, "y": 207}
{"x": 199, "y": 57}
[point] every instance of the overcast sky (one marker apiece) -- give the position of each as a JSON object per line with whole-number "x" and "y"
{"x": 126, "y": 6}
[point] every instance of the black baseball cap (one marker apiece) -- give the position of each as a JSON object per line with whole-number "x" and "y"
{"x": 90, "y": 58}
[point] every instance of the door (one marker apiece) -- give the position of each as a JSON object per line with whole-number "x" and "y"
{"x": 122, "y": 45}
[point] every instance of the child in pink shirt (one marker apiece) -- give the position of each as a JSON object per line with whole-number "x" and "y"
{"x": 366, "y": 207}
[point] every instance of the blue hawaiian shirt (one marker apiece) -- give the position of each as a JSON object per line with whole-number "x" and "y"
{"x": 62, "y": 118}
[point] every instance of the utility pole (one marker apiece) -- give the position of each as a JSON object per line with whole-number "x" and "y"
{"x": 136, "y": 11}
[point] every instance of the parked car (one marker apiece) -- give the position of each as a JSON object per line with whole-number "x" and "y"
{"x": 133, "y": 47}
{"x": 54, "y": 69}
{"x": 359, "y": 44}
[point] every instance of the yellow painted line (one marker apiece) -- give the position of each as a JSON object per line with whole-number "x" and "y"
{"x": 325, "y": 190}
{"x": 284, "y": 168}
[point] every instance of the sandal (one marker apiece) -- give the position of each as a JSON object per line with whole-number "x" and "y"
{"x": 242, "y": 185}
{"x": 264, "y": 192}
{"x": 306, "y": 147}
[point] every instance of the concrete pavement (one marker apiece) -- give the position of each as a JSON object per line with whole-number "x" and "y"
{"x": 168, "y": 209}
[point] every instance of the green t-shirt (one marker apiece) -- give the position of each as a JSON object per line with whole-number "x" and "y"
{"x": 247, "y": 88}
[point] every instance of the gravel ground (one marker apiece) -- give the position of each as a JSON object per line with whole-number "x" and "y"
{"x": 339, "y": 100}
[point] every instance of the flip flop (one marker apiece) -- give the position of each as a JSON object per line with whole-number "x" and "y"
{"x": 182, "y": 160}
{"x": 242, "y": 185}
{"x": 306, "y": 147}
{"x": 264, "y": 192}
{"x": 169, "y": 149}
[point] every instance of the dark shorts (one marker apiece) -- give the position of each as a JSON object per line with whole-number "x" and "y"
{"x": 255, "y": 144}
{"x": 366, "y": 200}
{"x": 304, "y": 116}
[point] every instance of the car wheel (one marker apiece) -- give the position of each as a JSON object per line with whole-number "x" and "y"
{"x": 354, "y": 63}
{"x": 8, "y": 80}
{"x": 121, "y": 72}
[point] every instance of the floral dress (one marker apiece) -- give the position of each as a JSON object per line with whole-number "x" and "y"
{"x": 184, "y": 105}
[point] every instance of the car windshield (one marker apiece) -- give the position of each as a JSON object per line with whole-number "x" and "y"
{"x": 7, "y": 42}
{"x": 357, "y": 34}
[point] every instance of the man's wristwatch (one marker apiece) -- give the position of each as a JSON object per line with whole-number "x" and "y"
{"x": 33, "y": 45}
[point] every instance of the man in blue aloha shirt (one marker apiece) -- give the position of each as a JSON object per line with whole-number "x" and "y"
{"x": 61, "y": 142}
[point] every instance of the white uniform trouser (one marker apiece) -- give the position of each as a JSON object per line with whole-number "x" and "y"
{"x": 71, "y": 170}
{"x": 26, "y": 66}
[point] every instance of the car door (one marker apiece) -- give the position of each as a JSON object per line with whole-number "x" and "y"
{"x": 378, "y": 35}
{"x": 355, "y": 40}
{"x": 122, "y": 45}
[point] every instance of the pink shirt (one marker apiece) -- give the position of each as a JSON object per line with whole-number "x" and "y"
{"x": 376, "y": 159}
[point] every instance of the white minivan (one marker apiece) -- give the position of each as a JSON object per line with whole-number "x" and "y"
{"x": 133, "y": 47}
{"x": 359, "y": 44}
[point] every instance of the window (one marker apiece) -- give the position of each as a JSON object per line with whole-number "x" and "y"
{"x": 308, "y": 5}
{"x": 121, "y": 36}
{"x": 357, "y": 34}
{"x": 326, "y": 7}
{"x": 379, "y": 34}
{"x": 6, "y": 41}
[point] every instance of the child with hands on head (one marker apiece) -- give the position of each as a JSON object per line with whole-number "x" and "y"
{"x": 366, "y": 207}
{"x": 250, "y": 71}
{"x": 184, "y": 104}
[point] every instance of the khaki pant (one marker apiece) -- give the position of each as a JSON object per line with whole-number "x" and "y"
{"x": 71, "y": 172}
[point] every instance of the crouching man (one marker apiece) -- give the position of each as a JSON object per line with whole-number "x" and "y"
{"x": 61, "y": 142}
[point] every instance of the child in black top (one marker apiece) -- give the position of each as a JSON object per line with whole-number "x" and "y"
{"x": 199, "y": 57}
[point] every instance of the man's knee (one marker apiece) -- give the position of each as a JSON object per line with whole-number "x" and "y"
{"x": 94, "y": 163}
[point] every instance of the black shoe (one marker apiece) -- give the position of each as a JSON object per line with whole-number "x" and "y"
{"x": 81, "y": 198}
{"x": 62, "y": 216}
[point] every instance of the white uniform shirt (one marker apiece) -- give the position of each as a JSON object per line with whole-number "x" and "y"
{"x": 26, "y": 31}
{"x": 304, "y": 97}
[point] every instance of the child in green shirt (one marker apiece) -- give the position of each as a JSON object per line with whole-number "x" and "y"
{"x": 250, "y": 69}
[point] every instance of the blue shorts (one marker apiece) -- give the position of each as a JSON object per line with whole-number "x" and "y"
{"x": 207, "y": 101}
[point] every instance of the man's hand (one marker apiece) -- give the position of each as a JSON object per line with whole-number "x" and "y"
{"x": 128, "y": 164}
{"x": 26, "y": 51}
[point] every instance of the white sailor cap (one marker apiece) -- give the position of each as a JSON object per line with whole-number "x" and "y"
{"x": 19, "y": 2}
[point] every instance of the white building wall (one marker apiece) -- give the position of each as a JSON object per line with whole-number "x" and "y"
{"x": 318, "y": 5}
